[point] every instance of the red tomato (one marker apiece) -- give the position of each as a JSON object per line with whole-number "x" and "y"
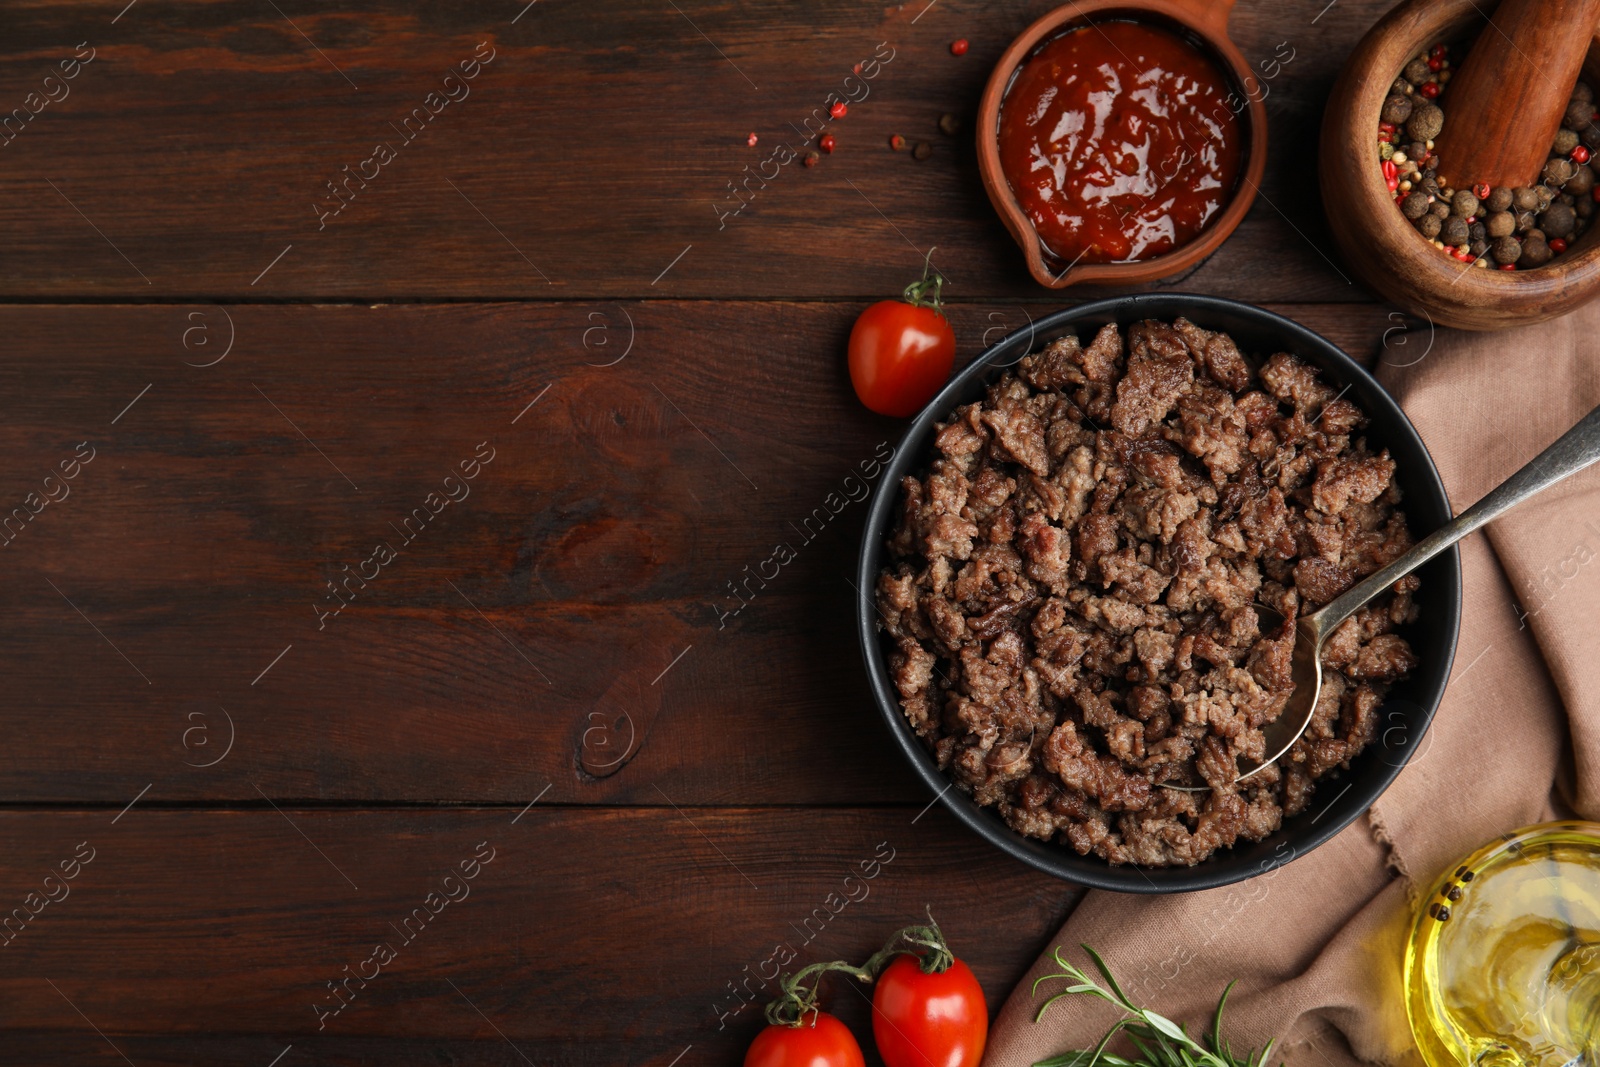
{"x": 900, "y": 354}
{"x": 929, "y": 1020}
{"x": 819, "y": 1041}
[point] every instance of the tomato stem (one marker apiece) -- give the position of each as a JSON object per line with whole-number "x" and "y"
{"x": 795, "y": 1002}
{"x": 925, "y": 292}
{"x": 927, "y": 943}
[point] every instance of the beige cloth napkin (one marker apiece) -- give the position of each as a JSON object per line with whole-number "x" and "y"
{"x": 1317, "y": 945}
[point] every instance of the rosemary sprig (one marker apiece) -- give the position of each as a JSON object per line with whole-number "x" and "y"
{"x": 1160, "y": 1041}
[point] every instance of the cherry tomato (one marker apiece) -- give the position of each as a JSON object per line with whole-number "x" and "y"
{"x": 901, "y": 350}
{"x": 819, "y": 1041}
{"x": 929, "y": 1020}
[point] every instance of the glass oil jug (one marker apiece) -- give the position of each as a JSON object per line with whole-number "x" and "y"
{"x": 1503, "y": 965}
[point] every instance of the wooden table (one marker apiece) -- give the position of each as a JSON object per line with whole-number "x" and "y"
{"x": 535, "y": 355}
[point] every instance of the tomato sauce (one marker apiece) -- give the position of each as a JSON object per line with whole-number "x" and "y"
{"x": 1120, "y": 141}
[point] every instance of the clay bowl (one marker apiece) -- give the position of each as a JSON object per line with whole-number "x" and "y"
{"x": 1372, "y": 236}
{"x": 1205, "y": 23}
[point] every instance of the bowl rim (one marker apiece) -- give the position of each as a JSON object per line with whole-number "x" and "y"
{"x": 1207, "y": 20}
{"x": 1052, "y": 857}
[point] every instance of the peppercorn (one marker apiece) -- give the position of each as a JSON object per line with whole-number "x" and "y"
{"x": 1557, "y": 245}
{"x": 1590, "y": 135}
{"x": 1415, "y": 205}
{"x": 1525, "y": 221}
{"x": 958, "y": 47}
{"x": 1578, "y": 114}
{"x": 1454, "y": 231}
{"x": 1464, "y": 203}
{"x": 1581, "y": 91}
{"x": 1425, "y": 122}
{"x": 1428, "y": 226}
{"x": 1558, "y": 220}
{"x": 1580, "y": 155}
{"x": 1566, "y": 140}
{"x": 1477, "y": 247}
{"x": 1546, "y": 194}
{"x": 1584, "y": 207}
{"x": 1429, "y": 90}
{"x": 1506, "y": 249}
{"x": 1525, "y": 198}
{"x": 1500, "y": 224}
{"x": 1402, "y": 87}
{"x": 897, "y": 143}
{"x": 1534, "y": 254}
{"x": 1396, "y": 109}
{"x": 1416, "y": 71}
{"x": 1477, "y": 231}
{"x": 1499, "y": 198}
{"x": 1417, "y": 151}
{"x": 812, "y": 158}
{"x": 1557, "y": 171}
{"x": 922, "y": 150}
{"x": 1385, "y": 151}
{"x": 949, "y": 125}
{"x": 1439, "y": 209}
{"x": 1535, "y": 234}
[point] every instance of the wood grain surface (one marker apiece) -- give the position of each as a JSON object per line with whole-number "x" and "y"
{"x": 344, "y": 532}
{"x": 572, "y": 608}
{"x": 596, "y": 147}
{"x": 573, "y": 953}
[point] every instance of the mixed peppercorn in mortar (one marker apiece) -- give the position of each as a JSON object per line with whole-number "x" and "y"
{"x": 1070, "y": 590}
{"x": 1487, "y": 226}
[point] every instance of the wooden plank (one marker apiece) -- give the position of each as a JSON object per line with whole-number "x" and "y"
{"x": 572, "y": 620}
{"x": 593, "y": 156}
{"x": 589, "y": 937}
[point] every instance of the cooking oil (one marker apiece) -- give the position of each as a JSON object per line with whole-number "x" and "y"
{"x": 1503, "y": 965}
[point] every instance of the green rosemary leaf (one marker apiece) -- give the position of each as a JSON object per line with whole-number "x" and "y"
{"x": 1105, "y": 972}
{"x": 1083, "y": 1058}
{"x": 1099, "y": 1050}
{"x": 1163, "y": 1025}
{"x": 1217, "y": 1045}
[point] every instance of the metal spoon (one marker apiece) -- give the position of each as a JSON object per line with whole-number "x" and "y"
{"x": 1572, "y": 452}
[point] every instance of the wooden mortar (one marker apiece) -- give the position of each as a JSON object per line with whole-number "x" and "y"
{"x": 1507, "y": 99}
{"x": 1376, "y": 242}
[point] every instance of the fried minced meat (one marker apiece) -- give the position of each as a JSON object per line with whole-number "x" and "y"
{"x": 1071, "y": 590}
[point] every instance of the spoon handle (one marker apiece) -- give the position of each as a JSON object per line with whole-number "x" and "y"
{"x": 1571, "y": 453}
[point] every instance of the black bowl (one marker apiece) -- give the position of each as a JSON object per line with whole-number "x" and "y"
{"x": 1403, "y": 719}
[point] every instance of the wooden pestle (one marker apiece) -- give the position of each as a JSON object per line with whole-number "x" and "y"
{"x": 1506, "y": 101}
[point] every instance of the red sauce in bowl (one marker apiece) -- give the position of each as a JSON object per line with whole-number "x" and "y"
{"x": 1120, "y": 142}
